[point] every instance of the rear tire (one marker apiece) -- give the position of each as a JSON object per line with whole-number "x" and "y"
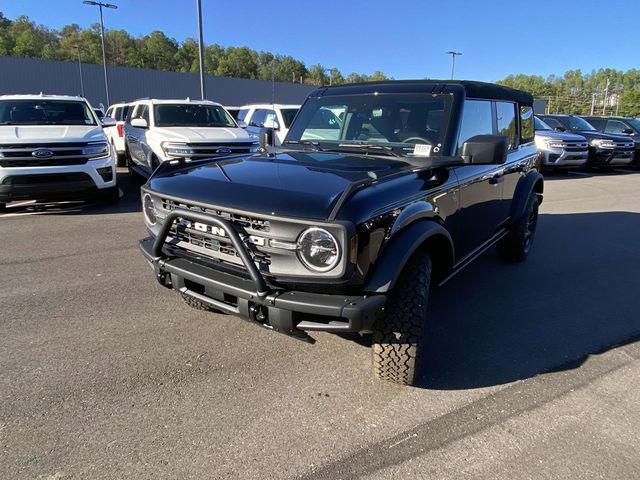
{"x": 517, "y": 244}
{"x": 397, "y": 336}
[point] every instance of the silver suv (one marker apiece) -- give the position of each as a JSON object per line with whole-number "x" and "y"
{"x": 559, "y": 149}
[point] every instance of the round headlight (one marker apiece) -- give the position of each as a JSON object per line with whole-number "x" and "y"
{"x": 318, "y": 250}
{"x": 149, "y": 209}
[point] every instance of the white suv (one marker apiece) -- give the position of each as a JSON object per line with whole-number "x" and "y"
{"x": 273, "y": 119}
{"x": 53, "y": 147}
{"x": 162, "y": 130}
{"x": 115, "y": 134}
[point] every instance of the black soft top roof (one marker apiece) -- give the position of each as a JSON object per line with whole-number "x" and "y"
{"x": 472, "y": 89}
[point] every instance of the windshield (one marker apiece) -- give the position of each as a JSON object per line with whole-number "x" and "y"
{"x": 394, "y": 121}
{"x": 540, "y": 125}
{"x": 288, "y": 114}
{"x": 45, "y": 112}
{"x": 576, "y": 123}
{"x": 191, "y": 115}
{"x": 635, "y": 123}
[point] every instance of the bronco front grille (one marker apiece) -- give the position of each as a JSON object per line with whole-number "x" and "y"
{"x": 250, "y": 224}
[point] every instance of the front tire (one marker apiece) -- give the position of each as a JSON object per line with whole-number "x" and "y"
{"x": 397, "y": 337}
{"x": 515, "y": 247}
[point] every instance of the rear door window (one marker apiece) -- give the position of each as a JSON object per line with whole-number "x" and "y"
{"x": 506, "y": 116}
{"x": 527, "y": 128}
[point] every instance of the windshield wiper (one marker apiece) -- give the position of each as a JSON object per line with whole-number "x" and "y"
{"x": 371, "y": 147}
{"x": 316, "y": 145}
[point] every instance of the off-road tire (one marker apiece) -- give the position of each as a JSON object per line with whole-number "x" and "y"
{"x": 195, "y": 303}
{"x": 397, "y": 337}
{"x": 515, "y": 247}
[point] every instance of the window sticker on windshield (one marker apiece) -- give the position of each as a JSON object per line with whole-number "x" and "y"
{"x": 422, "y": 150}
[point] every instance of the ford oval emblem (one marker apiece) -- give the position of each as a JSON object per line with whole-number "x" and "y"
{"x": 223, "y": 150}
{"x": 42, "y": 153}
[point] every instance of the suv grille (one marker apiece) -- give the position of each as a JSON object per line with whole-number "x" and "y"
{"x": 61, "y": 154}
{"x": 574, "y": 146}
{"x": 204, "y": 150}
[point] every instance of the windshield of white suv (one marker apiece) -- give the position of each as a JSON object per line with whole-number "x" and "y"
{"x": 393, "y": 122}
{"x": 288, "y": 114}
{"x": 191, "y": 115}
{"x": 45, "y": 112}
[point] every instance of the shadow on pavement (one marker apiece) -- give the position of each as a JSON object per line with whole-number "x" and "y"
{"x": 129, "y": 202}
{"x": 572, "y": 174}
{"x": 578, "y": 294}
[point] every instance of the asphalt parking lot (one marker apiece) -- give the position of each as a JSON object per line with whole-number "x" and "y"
{"x": 533, "y": 372}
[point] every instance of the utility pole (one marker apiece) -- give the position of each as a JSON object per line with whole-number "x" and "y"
{"x": 80, "y": 70}
{"x": 453, "y": 61}
{"x": 203, "y": 89}
{"x": 104, "y": 56}
{"x": 606, "y": 94}
{"x": 330, "y": 70}
{"x": 593, "y": 103}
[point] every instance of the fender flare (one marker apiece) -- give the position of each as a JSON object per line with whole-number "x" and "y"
{"x": 397, "y": 252}
{"x": 533, "y": 182}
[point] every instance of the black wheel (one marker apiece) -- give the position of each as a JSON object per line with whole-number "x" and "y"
{"x": 517, "y": 244}
{"x": 198, "y": 305}
{"x": 397, "y": 336}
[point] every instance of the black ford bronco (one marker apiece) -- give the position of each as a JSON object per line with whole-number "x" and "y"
{"x": 379, "y": 192}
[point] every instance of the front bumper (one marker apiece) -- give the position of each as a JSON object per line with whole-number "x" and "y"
{"x": 610, "y": 157}
{"x": 55, "y": 182}
{"x": 286, "y": 311}
{"x": 559, "y": 158}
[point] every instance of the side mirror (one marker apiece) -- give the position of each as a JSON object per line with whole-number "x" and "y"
{"x": 108, "y": 122}
{"x": 139, "y": 123}
{"x": 560, "y": 129}
{"x": 485, "y": 150}
{"x": 628, "y": 131}
{"x": 242, "y": 124}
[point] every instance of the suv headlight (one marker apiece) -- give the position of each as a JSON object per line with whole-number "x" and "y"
{"x": 96, "y": 149}
{"x": 149, "y": 209}
{"x": 602, "y": 143}
{"x": 318, "y": 250}
{"x": 177, "y": 149}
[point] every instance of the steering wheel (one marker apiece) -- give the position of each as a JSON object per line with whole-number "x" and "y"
{"x": 416, "y": 140}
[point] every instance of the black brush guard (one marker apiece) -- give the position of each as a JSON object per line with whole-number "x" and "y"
{"x": 286, "y": 311}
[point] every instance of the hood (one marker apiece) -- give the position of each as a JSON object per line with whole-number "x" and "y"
{"x": 594, "y": 134}
{"x": 292, "y": 184}
{"x": 50, "y": 133}
{"x": 555, "y": 135}
{"x": 202, "y": 134}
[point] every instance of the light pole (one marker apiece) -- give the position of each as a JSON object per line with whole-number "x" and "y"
{"x": 330, "y": 70}
{"x": 203, "y": 90}
{"x": 80, "y": 70}
{"x": 104, "y": 56}
{"x": 453, "y": 61}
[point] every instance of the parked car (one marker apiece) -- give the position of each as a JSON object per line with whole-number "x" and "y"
{"x": 348, "y": 233}
{"x": 115, "y": 134}
{"x": 604, "y": 149}
{"x": 161, "y": 130}
{"x": 273, "y": 119}
{"x": 560, "y": 149}
{"x": 53, "y": 147}
{"x": 627, "y": 126}
{"x": 233, "y": 111}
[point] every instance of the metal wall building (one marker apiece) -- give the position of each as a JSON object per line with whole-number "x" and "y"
{"x": 26, "y": 75}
